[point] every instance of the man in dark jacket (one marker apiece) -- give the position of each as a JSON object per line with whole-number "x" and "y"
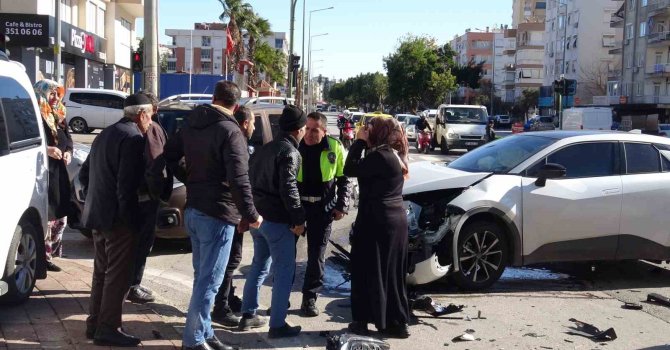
{"x": 111, "y": 177}
{"x": 275, "y": 168}
{"x": 218, "y": 195}
{"x": 324, "y": 191}
{"x": 157, "y": 186}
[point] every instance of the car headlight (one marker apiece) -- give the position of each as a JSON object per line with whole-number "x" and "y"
{"x": 452, "y": 135}
{"x": 410, "y": 129}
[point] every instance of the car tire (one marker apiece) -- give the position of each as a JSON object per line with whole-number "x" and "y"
{"x": 78, "y": 125}
{"x": 23, "y": 251}
{"x": 444, "y": 148}
{"x": 483, "y": 254}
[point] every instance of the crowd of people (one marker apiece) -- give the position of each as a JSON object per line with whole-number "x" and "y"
{"x": 293, "y": 187}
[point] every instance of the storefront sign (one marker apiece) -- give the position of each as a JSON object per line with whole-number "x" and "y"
{"x": 82, "y": 41}
{"x": 25, "y": 30}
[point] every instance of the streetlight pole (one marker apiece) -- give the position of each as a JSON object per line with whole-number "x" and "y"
{"x": 301, "y": 91}
{"x": 150, "y": 47}
{"x": 310, "y": 42}
{"x": 309, "y": 70}
{"x": 289, "y": 91}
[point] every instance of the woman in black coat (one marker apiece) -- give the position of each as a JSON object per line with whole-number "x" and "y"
{"x": 59, "y": 149}
{"x": 379, "y": 241}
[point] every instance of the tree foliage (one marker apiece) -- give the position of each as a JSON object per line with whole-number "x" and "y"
{"x": 270, "y": 61}
{"x": 529, "y": 99}
{"x": 417, "y": 74}
{"x": 367, "y": 90}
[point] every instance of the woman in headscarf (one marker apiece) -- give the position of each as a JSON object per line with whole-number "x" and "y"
{"x": 59, "y": 148}
{"x": 379, "y": 241}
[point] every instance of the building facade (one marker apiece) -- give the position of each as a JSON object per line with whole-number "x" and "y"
{"x": 642, "y": 85}
{"x": 578, "y": 41}
{"x": 202, "y": 50}
{"x": 95, "y": 44}
{"x": 524, "y": 11}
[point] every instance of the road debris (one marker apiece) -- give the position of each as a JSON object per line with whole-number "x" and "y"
{"x": 592, "y": 332}
{"x": 464, "y": 337}
{"x": 631, "y": 306}
{"x": 534, "y": 335}
{"x": 348, "y": 341}
{"x": 658, "y": 299}
{"x": 426, "y": 304}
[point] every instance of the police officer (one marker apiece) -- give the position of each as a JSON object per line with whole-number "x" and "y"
{"x": 324, "y": 192}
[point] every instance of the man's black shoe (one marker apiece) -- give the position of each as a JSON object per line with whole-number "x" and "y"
{"x": 90, "y": 333}
{"x": 397, "y": 331}
{"x": 225, "y": 318}
{"x": 53, "y": 267}
{"x": 216, "y": 344}
{"x": 235, "y": 303}
{"x": 308, "y": 308}
{"x": 285, "y": 331}
{"x": 137, "y": 295}
{"x": 114, "y": 337}
{"x": 359, "y": 328}
{"x": 251, "y": 321}
{"x": 203, "y": 346}
{"x": 145, "y": 289}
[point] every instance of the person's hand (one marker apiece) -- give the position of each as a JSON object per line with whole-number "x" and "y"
{"x": 54, "y": 152}
{"x": 67, "y": 157}
{"x": 256, "y": 224}
{"x": 362, "y": 134}
{"x": 298, "y": 230}
{"x": 337, "y": 215}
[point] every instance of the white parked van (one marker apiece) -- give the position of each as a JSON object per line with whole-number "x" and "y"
{"x": 587, "y": 118}
{"x": 23, "y": 181}
{"x": 90, "y": 109}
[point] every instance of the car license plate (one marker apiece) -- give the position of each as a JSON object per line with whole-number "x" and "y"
{"x": 471, "y": 143}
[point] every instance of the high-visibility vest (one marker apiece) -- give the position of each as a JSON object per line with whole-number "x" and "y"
{"x": 331, "y": 162}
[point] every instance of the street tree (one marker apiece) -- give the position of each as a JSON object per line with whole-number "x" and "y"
{"x": 257, "y": 29}
{"x": 270, "y": 62}
{"x": 529, "y": 99}
{"x": 413, "y": 75}
{"x": 237, "y": 13}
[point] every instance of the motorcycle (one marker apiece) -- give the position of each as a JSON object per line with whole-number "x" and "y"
{"x": 347, "y": 134}
{"x": 423, "y": 141}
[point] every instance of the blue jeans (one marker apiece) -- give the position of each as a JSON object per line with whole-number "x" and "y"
{"x": 272, "y": 242}
{"x": 211, "y": 239}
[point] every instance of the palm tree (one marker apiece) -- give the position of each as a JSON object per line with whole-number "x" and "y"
{"x": 236, "y": 12}
{"x": 257, "y": 29}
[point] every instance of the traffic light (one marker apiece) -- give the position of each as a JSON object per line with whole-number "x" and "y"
{"x": 559, "y": 86}
{"x": 295, "y": 62}
{"x": 137, "y": 61}
{"x": 570, "y": 87}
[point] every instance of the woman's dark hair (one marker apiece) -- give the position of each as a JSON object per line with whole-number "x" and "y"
{"x": 242, "y": 114}
{"x": 387, "y": 131}
{"x": 227, "y": 93}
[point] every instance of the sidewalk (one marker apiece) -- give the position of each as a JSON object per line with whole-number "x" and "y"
{"x": 55, "y": 316}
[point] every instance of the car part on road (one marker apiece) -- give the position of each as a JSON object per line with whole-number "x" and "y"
{"x": 631, "y": 306}
{"x": 592, "y": 332}
{"x": 348, "y": 341}
{"x": 464, "y": 337}
{"x": 659, "y": 299}
{"x": 426, "y": 304}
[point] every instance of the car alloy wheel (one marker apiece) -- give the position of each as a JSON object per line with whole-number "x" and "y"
{"x": 482, "y": 256}
{"x": 26, "y": 263}
{"x": 78, "y": 125}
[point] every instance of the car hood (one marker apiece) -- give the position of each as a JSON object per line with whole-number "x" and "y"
{"x": 468, "y": 129}
{"x": 432, "y": 176}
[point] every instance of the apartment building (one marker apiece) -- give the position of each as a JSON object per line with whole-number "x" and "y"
{"x": 476, "y": 46}
{"x": 643, "y": 85}
{"x": 524, "y": 11}
{"x": 96, "y": 38}
{"x": 578, "y": 41}
{"x": 202, "y": 50}
{"x": 507, "y": 92}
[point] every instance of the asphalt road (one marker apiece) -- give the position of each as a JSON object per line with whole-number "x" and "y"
{"x": 528, "y": 308}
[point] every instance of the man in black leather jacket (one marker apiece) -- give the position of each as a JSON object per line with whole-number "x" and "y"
{"x": 275, "y": 189}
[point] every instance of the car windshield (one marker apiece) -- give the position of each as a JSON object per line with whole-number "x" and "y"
{"x": 412, "y": 120}
{"x": 503, "y": 155}
{"x": 356, "y": 118}
{"x": 464, "y": 115}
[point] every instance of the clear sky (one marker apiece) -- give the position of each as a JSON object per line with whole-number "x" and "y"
{"x": 360, "y": 32}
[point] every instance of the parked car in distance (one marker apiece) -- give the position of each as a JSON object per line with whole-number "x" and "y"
{"x": 542, "y": 123}
{"x": 502, "y": 120}
{"x": 460, "y": 127}
{"x": 90, "y": 109}
{"x": 402, "y": 118}
{"x": 410, "y": 127}
{"x": 332, "y": 109}
{"x": 587, "y": 118}
{"x": 367, "y": 116}
{"x": 356, "y": 117}
{"x": 197, "y": 99}
{"x": 539, "y": 197}
{"x": 24, "y": 182}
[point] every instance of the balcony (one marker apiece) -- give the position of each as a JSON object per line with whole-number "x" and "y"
{"x": 662, "y": 69}
{"x": 658, "y": 39}
{"x": 616, "y": 21}
{"x": 617, "y": 48}
{"x": 652, "y": 99}
{"x": 658, "y": 7}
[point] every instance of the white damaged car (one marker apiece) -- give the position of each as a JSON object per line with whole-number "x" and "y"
{"x": 539, "y": 197}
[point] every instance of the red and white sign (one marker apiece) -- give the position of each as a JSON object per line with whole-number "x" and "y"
{"x": 82, "y": 41}
{"x": 517, "y": 128}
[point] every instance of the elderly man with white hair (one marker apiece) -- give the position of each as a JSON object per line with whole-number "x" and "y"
{"x": 111, "y": 177}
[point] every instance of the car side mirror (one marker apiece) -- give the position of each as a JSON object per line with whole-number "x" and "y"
{"x": 549, "y": 171}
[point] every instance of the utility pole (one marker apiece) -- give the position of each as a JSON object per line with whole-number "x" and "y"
{"x": 57, "y": 48}
{"x": 150, "y": 47}
{"x": 300, "y": 92}
{"x": 289, "y": 90}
